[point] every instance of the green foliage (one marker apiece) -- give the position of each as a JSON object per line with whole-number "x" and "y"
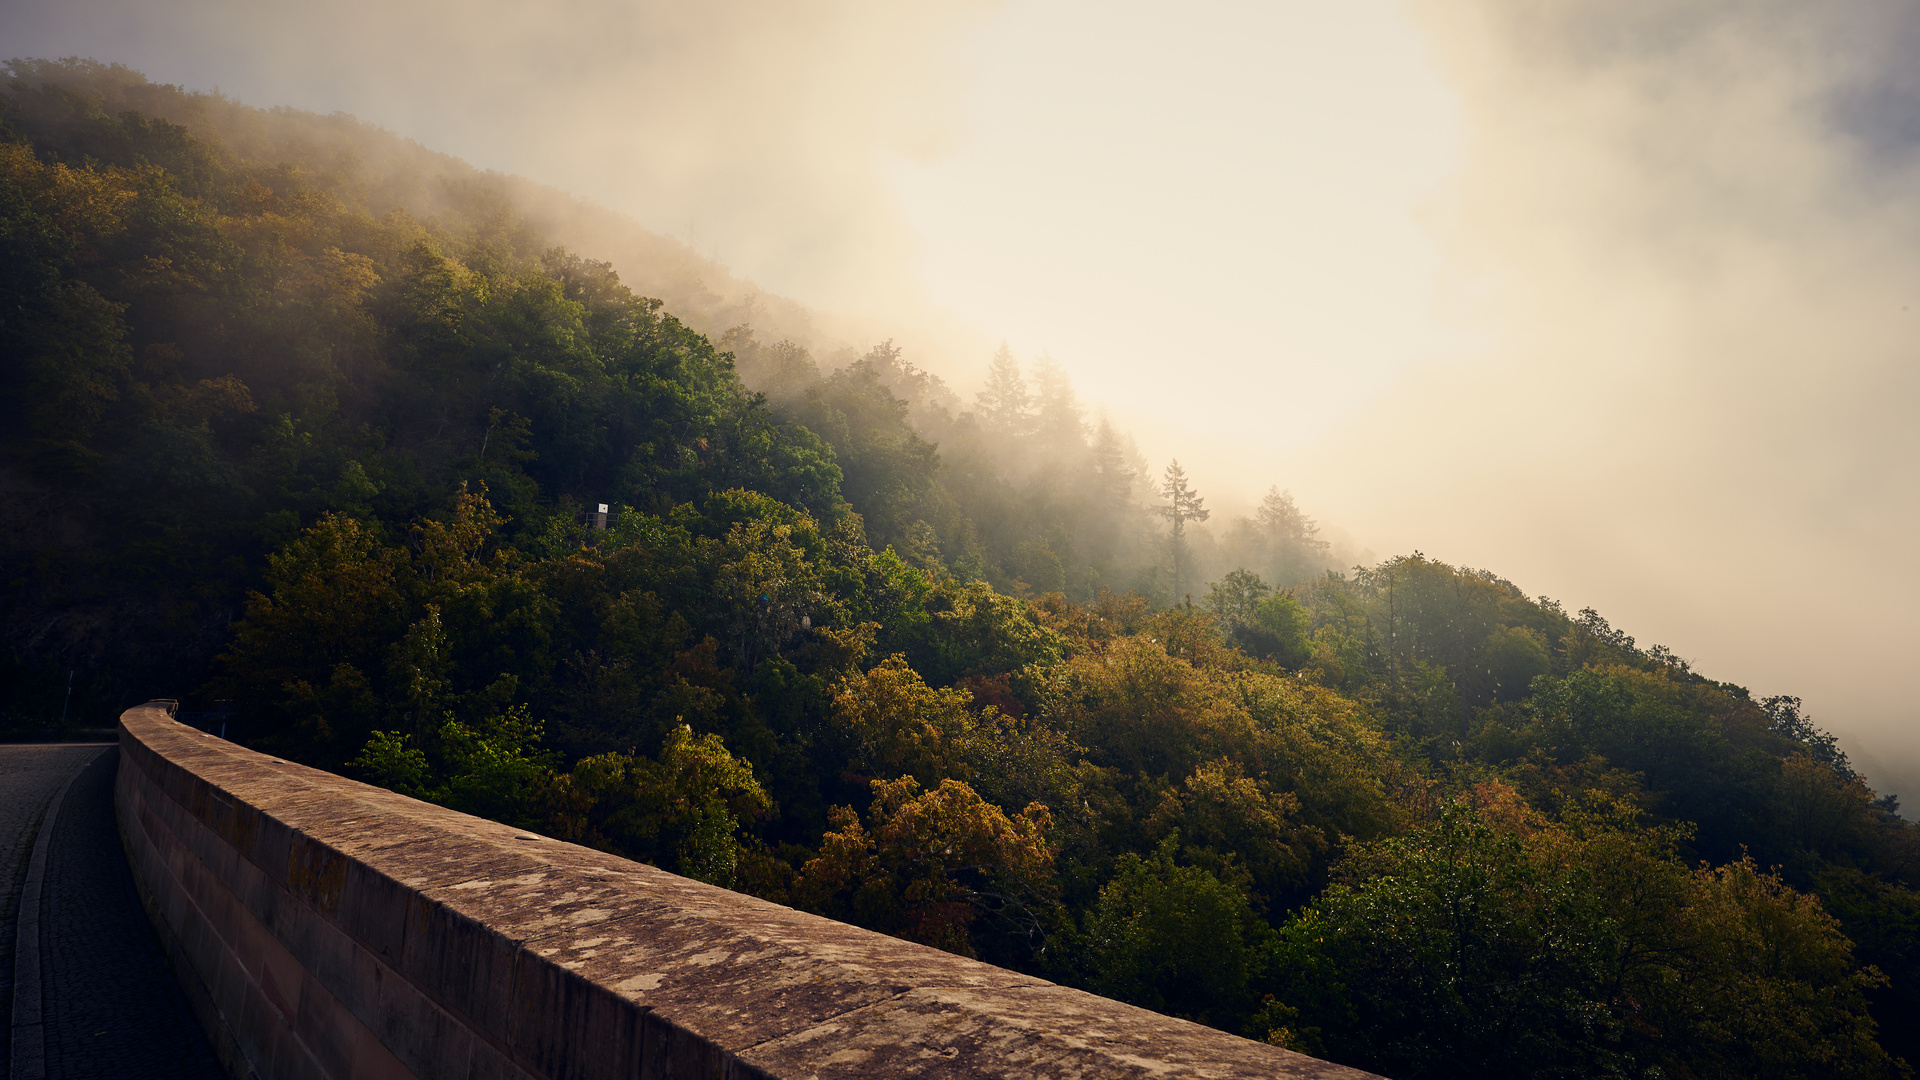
{"x": 683, "y": 809}
{"x": 1176, "y": 939}
{"x": 494, "y": 769}
{"x": 208, "y": 352}
{"x": 1490, "y": 943}
{"x": 1236, "y": 595}
{"x": 1514, "y": 657}
{"x": 1259, "y": 621}
{"x": 267, "y": 435}
{"x": 389, "y": 761}
{"x": 887, "y": 466}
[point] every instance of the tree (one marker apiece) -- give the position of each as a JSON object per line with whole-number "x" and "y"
{"x": 1005, "y": 406}
{"x": 925, "y": 866}
{"x": 1239, "y": 827}
{"x": 494, "y": 769}
{"x": 1183, "y": 505}
{"x": 1174, "y": 938}
{"x": 902, "y": 726}
{"x": 1058, "y": 419}
{"x": 682, "y": 809}
{"x": 886, "y": 467}
{"x": 1293, "y": 539}
{"x": 1112, "y": 469}
{"x": 204, "y": 353}
{"x": 1235, "y": 595}
{"x": 1495, "y": 943}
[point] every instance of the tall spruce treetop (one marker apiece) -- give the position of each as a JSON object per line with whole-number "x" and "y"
{"x": 1058, "y": 418}
{"x": 1183, "y": 505}
{"x": 1112, "y": 465}
{"x": 1005, "y": 406}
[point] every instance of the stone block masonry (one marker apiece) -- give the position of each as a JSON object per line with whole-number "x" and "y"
{"x": 329, "y": 929}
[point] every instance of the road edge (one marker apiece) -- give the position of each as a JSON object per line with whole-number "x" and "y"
{"x": 28, "y": 1037}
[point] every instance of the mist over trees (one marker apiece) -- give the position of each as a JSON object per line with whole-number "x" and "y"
{"x": 293, "y": 431}
{"x": 1019, "y": 488}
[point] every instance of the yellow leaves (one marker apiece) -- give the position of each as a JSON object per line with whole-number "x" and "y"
{"x": 699, "y": 768}
{"x": 903, "y": 725}
{"x": 1221, "y": 809}
{"x": 258, "y": 198}
{"x": 18, "y": 166}
{"x": 1503, "y": 807}
{"x": 763, "y": 584}
{"x": 341, "y": 279}
{"x": 1144, "y": 712}
{"x": 1139, "y": 709}
{"x": 87, "y": 203}
{"x": 1105, "y": 617}
{"x": 450, "y": 551}
{"x": 205, "y": 400}
{"x": 682, "y": 809}
{"x": 1760, "y": 924}
{"x": 929, "y": 864}
{"x": 953, "y": 824}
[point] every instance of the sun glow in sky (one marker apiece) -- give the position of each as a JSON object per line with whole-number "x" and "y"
{"x": 1619, "y": 301}
{"x": 1214, "y": 220}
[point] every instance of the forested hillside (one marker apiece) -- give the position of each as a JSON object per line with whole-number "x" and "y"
{"x": 310, "y": 444}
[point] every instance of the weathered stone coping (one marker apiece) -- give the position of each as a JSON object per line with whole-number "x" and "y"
{"x": 333, "y": 929}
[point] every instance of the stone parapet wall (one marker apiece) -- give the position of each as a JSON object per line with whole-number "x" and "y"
{"x": 327, "y": 928}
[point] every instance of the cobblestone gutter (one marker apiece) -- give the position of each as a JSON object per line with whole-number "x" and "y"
{"x": 332, "y": 929}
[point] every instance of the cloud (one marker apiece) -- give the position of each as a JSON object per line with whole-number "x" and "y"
{"x": 1685, "y": 234}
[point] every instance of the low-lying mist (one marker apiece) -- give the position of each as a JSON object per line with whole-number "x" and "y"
{"x": 1684, "y": 235}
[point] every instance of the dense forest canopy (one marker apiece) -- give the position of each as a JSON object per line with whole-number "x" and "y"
{"x": 317, "y": 445}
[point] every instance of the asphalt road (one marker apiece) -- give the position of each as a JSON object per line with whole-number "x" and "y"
{"x": 110, "y": 1006}
{"x": 29, "y": 776}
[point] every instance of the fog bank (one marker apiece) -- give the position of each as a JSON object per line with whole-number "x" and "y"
{"x": 1684, "y": 236}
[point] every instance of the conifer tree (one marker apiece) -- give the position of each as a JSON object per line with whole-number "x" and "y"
{"x": 1005, "y": 406}
{"x": 1112, "y": 466}
{"x": 1292, "y": 537}
{"x": 1183, "y": 505}
{"x": 1058, "y": 418}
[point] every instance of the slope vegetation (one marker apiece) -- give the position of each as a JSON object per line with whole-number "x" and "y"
{"x": 311, "y": 426}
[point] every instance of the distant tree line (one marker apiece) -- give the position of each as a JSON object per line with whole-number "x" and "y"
{"x": 1020, "y": 489}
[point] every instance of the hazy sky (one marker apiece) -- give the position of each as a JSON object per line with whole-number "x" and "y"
{"x": 1620, "y": 300}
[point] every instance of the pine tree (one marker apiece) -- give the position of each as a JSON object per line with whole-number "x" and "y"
{"x": 1292, "y": 537}
{"x": 1058, "y": 418}
{"x": 1005, "y": 406}
{"x": 1183, "y": 505}
{"x": 1112, "y": 467}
